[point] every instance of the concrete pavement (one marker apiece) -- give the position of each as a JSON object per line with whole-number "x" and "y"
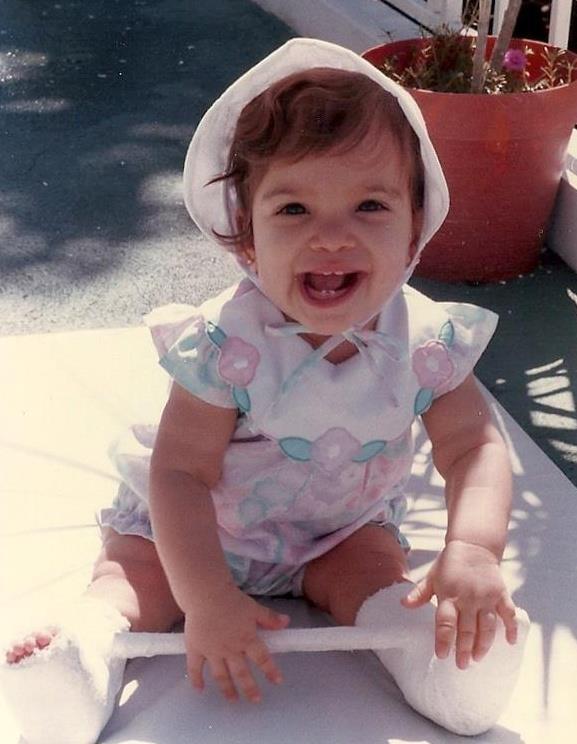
{"x": 99, "y": 101}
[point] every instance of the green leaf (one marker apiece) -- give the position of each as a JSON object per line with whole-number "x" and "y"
{"x": 241, "y": 398}
{"x": 447, "y": 333}
{"x": 370, "y": 450}
{"x": 296, "y": 448}
{"x": 423, "y": 400}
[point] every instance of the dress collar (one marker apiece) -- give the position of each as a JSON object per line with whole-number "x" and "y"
{"x": 365, "y": 340}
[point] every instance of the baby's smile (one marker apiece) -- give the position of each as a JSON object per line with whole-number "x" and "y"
{"x": 329, "y": 287}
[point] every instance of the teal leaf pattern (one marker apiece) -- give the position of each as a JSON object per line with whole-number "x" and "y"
{"x": 296, "y": 448}
{"x": 423, "y": 400}
{"x": 215, "y": 334}
{"x": 370, "y": 450}
{"x": 241, "y": 398}
{"x": 447, "y": 333}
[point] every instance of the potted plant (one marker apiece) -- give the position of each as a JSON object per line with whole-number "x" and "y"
{"x": 500, "y": 112}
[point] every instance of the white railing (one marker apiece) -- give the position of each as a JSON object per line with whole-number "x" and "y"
{"x": 435, "y": 12}
{"x": 559, "y": 21}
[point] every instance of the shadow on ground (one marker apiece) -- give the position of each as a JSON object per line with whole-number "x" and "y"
{"x": 531, "y": 363}
{"x": 99, "y": 101}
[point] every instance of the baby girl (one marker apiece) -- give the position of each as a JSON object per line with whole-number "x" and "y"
{"x": 279, "y": 463}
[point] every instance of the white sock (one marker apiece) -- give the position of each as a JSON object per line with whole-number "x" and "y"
{"x": 466, "y": 701}
{"x": 65, "y": 693}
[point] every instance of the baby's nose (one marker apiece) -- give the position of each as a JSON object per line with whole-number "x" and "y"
{"x": 331, "y": 236}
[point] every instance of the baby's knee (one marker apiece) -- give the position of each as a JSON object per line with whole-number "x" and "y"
{"x": 128, "y": 574}
{"x": 342, "y": 579}
{"x": 372, "y": 551}
{"x": 128, "y": 557}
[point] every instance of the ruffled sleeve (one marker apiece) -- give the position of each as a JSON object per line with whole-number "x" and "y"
{"x": 188, "y": 355}
{"x": 473, "y": 328}
{"x": 447, "y": 342}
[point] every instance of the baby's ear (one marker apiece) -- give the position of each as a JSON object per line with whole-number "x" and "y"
{"x": 245, "y": 248}
{"x": 248, "y": 255}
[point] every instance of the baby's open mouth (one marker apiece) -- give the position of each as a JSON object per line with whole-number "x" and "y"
{"x": 329, "y": 286}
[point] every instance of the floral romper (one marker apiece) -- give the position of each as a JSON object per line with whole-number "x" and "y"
{"x": 319, "y": 449}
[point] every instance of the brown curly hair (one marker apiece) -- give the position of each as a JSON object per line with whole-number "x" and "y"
{"x": 316, "y": 112}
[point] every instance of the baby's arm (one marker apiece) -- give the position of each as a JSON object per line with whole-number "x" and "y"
{"x": 220, "y": 620}
{"x": 470, "y": 454}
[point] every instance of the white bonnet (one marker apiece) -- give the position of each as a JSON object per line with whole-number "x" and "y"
{"x": 207, "y": 156}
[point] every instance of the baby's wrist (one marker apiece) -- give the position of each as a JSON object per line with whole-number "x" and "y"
{"x": 479, "y": 546}
{"x": 206, "y": 597}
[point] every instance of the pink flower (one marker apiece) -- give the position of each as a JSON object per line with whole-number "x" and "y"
{"x": 432, "y": 364}
{"x": 238, "y": 361}
{"x": 515, "y": 60}
{"x": 334, "y": 489}
{"x": 334, "y": 448}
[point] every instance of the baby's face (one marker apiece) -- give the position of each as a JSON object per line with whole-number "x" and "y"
{"x": 333, "y": 234}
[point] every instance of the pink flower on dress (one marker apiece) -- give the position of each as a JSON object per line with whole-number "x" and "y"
{"x": 432, "y": 364}
{"x": 334, "y": 448}
{"x": 238, "y": 361}
{"x": 334, "y": 489}
{"x": 515, "y": 60}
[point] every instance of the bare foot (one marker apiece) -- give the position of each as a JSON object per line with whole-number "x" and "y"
{"x": 29, "y": 645}
{"x": 60, "y": 678}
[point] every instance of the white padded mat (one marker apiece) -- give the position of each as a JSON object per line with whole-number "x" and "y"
{"x": 65, "y": 397}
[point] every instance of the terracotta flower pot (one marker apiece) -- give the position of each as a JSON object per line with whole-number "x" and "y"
{"x": 503, "y": 156}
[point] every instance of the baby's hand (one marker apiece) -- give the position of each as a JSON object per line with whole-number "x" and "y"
{"x": 223, "y": 633}
{"x": 470, "y": 591}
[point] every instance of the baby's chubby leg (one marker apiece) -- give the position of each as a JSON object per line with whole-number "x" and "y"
{"x": 362, "y": 581}
{"x": 60, "y": 678}
{"x": 339, "y": 581}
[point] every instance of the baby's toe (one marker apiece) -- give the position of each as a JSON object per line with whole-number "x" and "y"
{"x": 29, "y": 644}
{"x": 13, "y": 655}
{"x": 16, "y": 653}
{"x": 26, "y": 647}
{"x": 44, "y": 638}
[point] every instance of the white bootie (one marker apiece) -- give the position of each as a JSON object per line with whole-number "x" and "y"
{"x": 65, "y": 693}
{"x": 467, "y": 701}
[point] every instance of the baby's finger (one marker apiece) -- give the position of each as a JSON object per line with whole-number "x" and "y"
{"x": 507, "y": 612}
{"x": 420, "y": 594}
{"x": 222, "y": 677}
{"x": 260, "y": 655}
{"x": 466, "y": 635}
{"x": 486, "y": 628}
{"x": 243, "y": 677}
{"x": 195, "y": 665}
{"x": 268, "y": 618}
{"x": 445, "y": 628}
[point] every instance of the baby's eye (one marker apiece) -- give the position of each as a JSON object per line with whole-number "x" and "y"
{"x": 292, "y": 208}
{"x": 370, "y": 205}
